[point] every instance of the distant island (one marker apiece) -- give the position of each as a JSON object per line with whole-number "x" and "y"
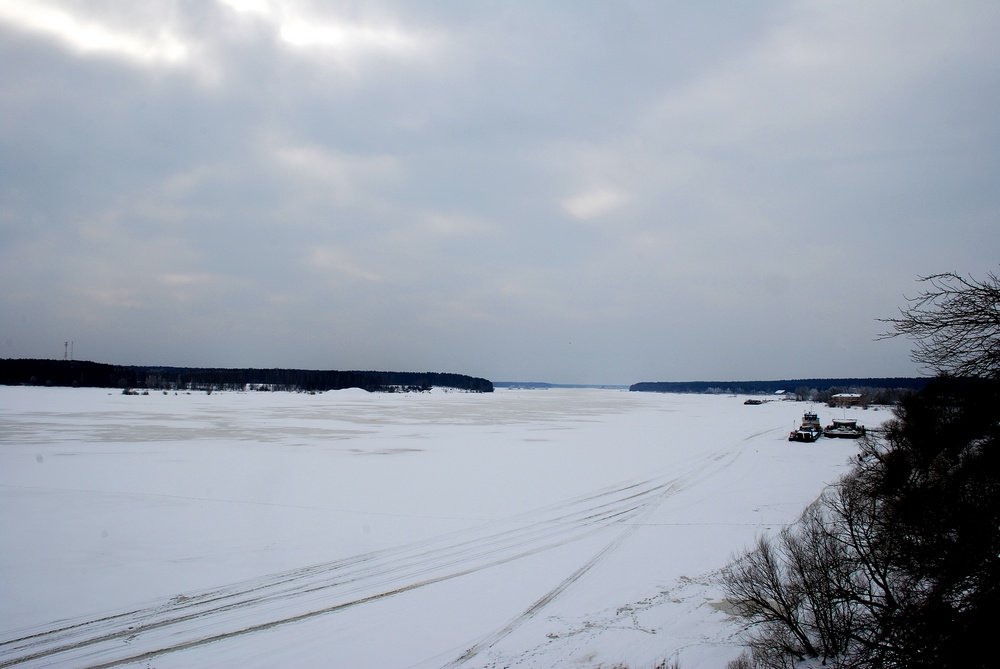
{"x": 85, "y": 374}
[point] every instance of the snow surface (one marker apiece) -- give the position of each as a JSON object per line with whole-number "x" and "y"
{"x": 522, "y": 528}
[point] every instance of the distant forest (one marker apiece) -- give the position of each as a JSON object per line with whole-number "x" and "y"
{"x": 83, "y": 374}
{"x": 878, "y": 390}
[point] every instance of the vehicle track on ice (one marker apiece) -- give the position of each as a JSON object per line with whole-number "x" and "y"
{"x": 190, "y": 621}
{"x": 717, "y": 462}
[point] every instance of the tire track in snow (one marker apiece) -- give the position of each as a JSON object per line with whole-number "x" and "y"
{"x": 186, "y": 622}
{"x": 725, "y": 457}
{"x": 287, "y": 597}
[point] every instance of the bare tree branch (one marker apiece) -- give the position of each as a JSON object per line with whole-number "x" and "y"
{"x": 955, "y": 324}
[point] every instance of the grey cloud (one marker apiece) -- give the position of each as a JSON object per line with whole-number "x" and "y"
{"x": 681, "y": 191}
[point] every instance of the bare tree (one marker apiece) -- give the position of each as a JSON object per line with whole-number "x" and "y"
{"x": 956, "y": 325}
{"x": 798, "y": 592}
{"x": 895, "y": 566}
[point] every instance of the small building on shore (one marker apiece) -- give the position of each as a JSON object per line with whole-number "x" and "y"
{"x": 846, "y": 399}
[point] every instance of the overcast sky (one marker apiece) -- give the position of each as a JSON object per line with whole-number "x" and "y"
{"x": 573, "y": 192}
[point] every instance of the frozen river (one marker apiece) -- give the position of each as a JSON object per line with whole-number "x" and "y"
{"x": 541, "y": 528}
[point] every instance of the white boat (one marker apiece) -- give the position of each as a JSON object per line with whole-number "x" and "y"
{"x": 810, "y": 430}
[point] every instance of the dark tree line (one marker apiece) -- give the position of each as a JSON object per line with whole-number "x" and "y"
{"x": 898, "y": 564}
{"x": 770, "y": 387}
{"x": 99, "y": 375}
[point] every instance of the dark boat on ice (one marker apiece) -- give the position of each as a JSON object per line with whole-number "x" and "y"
{"x": 810, "y": 430}
{"x": 845, "y": 428}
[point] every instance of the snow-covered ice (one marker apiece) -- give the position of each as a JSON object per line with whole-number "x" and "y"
{"x": 522, "y": 528}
